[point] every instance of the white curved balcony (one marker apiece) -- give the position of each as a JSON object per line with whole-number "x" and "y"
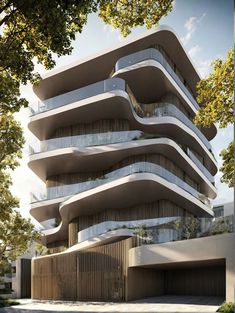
{"x": 139, "y": 63}
{"x": 87, "y": 140}
{"x": 166, "y": 109}
{"x": 120, "y": 105}
{"x": 102, "y": 157}
{"x": 107, "y": 226}
{"x": 139, "y": 167}
{"x": 78, "y": 95}
{"x": 154, "y": 54}
{"x": 120, "y": 193}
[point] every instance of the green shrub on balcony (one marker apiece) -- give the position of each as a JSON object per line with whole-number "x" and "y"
{"x": 187, "y": 227}
{"x": 221, "y": 226}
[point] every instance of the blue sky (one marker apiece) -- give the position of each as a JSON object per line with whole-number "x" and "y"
{"x": 206, "y": 29}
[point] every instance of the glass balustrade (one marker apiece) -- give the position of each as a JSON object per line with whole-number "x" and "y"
{"x": 200, "y": 165}
{"x": 154, "y": 54}
{"x": 168, "y": 109}
{"x": 78, "y": 94}
{"x": 109, "y": 84}
{"x": 104, "y": 227}
{"x": 139, "y": 167}
{"x": 164, "y": 229}
{"x": 86, "y": 140}
{"x": 185, "y": 228}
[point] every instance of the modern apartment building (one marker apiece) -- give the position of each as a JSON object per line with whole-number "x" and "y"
{"x": 128, "y": 176}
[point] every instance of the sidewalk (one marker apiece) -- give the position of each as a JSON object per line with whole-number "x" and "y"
{"x": 164, "y": 304}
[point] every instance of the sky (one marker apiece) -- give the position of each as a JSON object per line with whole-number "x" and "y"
{"x": 205, "y": 27}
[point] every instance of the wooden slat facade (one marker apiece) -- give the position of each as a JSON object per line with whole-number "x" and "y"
{"x": 156, "y": 158}
{"x": 95, "y": 274}
{"x": 157, "y": 209}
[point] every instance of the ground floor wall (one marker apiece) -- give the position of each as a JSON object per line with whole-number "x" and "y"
{"x": 121, "y": 271}
{"x": 202, "y": 265}
{"x": 95, "y": 274}
{"x": 152, "y": 282}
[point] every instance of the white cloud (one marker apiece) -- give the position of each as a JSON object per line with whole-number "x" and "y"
{"x": 204, "y": 67}
{"x": 111, "y": 31}
{"x": 191, "y": 26}
{"x": 194, "y": 50}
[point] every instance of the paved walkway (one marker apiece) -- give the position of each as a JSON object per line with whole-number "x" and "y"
{"x": 170, "y": 304}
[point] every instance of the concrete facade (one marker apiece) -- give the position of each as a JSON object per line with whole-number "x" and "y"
{"x": 123, "y": 165}
{"x": 190, "y": 253}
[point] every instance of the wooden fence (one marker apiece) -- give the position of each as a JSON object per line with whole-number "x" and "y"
{"x": 96, "y": 274}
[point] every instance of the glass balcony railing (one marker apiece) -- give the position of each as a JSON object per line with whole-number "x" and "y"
{"x": 79, "y": 94}
{"x": 164, "y": 229}
{"x": 139, "y": 167}
{"x": 104, "y": 227}
{"x": 154, "y": 54}
{"x": 184, "y": 228}
{"x": 168, "y": 109}
{"x": 86, "y": 140}
{"x": 200, "y": 165}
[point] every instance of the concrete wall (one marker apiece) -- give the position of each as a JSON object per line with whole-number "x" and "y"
{"x": 207, "y": 250}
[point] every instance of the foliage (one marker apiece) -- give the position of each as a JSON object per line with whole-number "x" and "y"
{"x": 144, "y": 235}
{"x": 228, "y": 165}
{"x": 125, "y": 15}
{"x": 40, "y": 249}
{"x": 15, "y": 235}
{"x": 5, "y": 269}
{"x": 187, "y": 227}
{"x": 227, "y": 307}
{"x": 221, "y": 226}
{"x": 7, "y": 302}
{"x": 216, "y": 95}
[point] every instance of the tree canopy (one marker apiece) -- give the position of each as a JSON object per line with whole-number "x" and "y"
{"x": 216, "y": 95}
{"x": 15, "y": 236}
{"x": 34, "y": 31}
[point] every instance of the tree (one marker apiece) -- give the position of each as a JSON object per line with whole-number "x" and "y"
{"x": 125, "y": 15}
{"x": 15, "y": 236}
{"x": 32, "y": 31}
{"x": 228, "y": 165}
{"x": 216, "y": 95}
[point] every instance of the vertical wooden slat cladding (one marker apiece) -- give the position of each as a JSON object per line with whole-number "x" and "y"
{"x": 207, "y": 281}
{"x": 73, "y": 233}
{"x": 95, "y": 274}
{"x": 161, "y": 208}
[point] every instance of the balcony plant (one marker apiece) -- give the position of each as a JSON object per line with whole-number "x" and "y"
{"x": 187, "y": 227}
